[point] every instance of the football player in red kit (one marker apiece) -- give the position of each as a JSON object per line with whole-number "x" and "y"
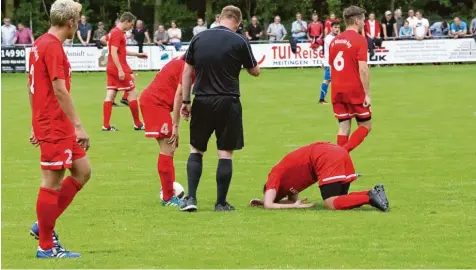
{"x": 57, "y": 129}
{"x": 350, "y": 80}
{"x": 326, "y": 164}
{"x": 157, "y": 101}
{"x": 119, "y": 74}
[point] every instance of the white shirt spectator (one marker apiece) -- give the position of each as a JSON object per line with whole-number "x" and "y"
{"x": 327, "y": 42}
{"x": 472, "y": 26}
{"x": 175, "y": 35}
{"x": 372, "y": 28}
{"x": 129, "y": 37}
{"x": 412, "y": 21}
{"x": 214, "y": 24}
{"x": 420, "y": 27}
{"x": 8, "y": 32}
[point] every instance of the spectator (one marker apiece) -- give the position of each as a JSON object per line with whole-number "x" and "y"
{"x": 411, "y": 18}
{"x": 254, "y": 30}
{"x": 315, "y": 30}
{"x": 200, "y": 27}
{"x": 98, "y": 34}
{"x": 140, "y": 34}
{"x": 68, "y": 41}
{"x": 299, "y": 28}
{"x": 472, "y": 29}
{"x": 8, "y": 32}
{"x": 372, "y": 33}
{"x": 276, "y": 31}
{"x": 216, "y": 22}
{"x": 84, "y": 31}
{"x": 175, "y": 35}
{"x": 161, "y": 37}
{"x": 421, "y": 28}
{"x": 129, "y": 37}
{"x": 23, "y": 35}
{"x": 398, "y": 20}
{"x": 389, "y": 26}
{"x": 328, "y": 23}
{"x": 240, "y": 29}
{"x": 406, "y": 31}
{"x": 439, "y": 29}
{"x": 458, "y": 28}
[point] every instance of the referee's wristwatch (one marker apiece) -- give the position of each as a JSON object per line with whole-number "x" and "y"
{"x": 186, "y": 102}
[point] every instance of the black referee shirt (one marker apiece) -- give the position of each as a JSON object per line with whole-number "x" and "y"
{"x": 218, "y": 55}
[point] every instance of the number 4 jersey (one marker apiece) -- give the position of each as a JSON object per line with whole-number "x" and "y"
{"x": 48, "y": 62}
{"x": 345, "y": 52}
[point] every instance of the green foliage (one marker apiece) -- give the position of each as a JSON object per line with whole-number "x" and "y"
{"x": 32, "y": 10}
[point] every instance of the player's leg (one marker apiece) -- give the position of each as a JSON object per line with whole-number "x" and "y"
{"x": 107, "y": 110}
{"x": 364, "y": 122}
{"x": 325, "y": 85}
{"x": 229, "y": 133}
{"x": 134, "y": 107}
{"x": 166, "y": 170}
{"x": 125, "y": 98}
{"x": 201, "y": 128}
{"x": 343, "y": 117}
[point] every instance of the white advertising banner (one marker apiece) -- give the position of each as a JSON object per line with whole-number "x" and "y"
{"x": 277, "y": 55}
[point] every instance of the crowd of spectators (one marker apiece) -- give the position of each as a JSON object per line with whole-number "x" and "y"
{"x": 392, "y": 25}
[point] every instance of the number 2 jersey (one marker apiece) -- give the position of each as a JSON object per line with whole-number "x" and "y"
{"x": 345, "y": 52}
{"x": 48, "y": 62}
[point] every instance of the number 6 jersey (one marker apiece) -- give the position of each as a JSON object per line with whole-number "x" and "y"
{"x": 345, "y": 52}
{"x": 48, "y": 62}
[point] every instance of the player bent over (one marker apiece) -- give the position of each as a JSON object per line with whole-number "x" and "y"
{"x": 335, "y": 30}
{"x": 326, "y": 164}
{"x": 157, "y": 101}
{"x": 119, "y": 74}
{"x": 350, "y": 80}
{"x": 57, "y": 129}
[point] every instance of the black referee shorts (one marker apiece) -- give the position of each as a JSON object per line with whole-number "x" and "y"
{"x": 221, "y": 114}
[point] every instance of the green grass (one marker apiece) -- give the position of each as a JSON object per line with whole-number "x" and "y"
{"x": 422, "y": 147}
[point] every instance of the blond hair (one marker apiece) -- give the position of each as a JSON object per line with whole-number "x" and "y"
{"x": 127, "y": 17}
{"x": 352, "y": 13}
{"x": 63, "y": 11}
{"x": 231, "y": 12}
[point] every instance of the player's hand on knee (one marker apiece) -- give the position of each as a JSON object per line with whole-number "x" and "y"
{"x": 174, "y": 139}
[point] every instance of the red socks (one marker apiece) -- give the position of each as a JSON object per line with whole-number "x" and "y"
{"x": 356, "y": 138}
{"x": 107, "y": 111}
{"x": 351, "y": 201}
{"x": 134, "y": 107}
{"x": 126, "y": 95}
{"x": 342, "y": 140}
{"x": 364, "y": 192}
{"x": 69, "y": 188}
{"x": 165, "y": 167}
{"x": 47, "y": 212}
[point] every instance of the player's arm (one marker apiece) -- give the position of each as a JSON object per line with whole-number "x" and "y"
{"x": 365, "y": 76}
{"x": 186, "y": 82}
{"x": 65, "y": 102}
{"x": 103, "y": 40}
{"x": 249, "y": 61}
{"x": 136, "y": 54}
{"x": 270, "y": 196}
{"x": 178, "y": 100}
{"x": 115, "y": 58}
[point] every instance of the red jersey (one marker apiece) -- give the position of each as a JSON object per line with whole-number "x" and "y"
{"x": 301, "y": 168}
{"x": 345, "y": 52}
{"x": 315, "y": 29}
{"x": 116, "y": 38}
{"x": 48, "y": 62}
{"x": 161, "y": 91}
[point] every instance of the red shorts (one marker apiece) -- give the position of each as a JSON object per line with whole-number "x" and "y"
{"x": 60, "y": 155}
{"x": 157, "y": 120}
{"x": 344, "y": 111}
{"x": 338, "y": 168}
{"x": 113, "y": 82}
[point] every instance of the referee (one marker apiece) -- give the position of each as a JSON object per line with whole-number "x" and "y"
{"x": 217, "y": 56}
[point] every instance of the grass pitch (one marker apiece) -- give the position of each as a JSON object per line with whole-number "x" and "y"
{"x": 422, "y": 147}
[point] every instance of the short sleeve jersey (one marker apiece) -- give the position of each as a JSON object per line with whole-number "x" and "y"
{"x": 217, "y": 56}
{"x": 161, "y": 91}
{"x": 299, "y": 169}
{"x": 345, "y": 52}
{"x": 48, "y": 62}
{"x": 116, "y": 38}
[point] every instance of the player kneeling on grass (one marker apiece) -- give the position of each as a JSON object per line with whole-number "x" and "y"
{"x": 158, "y": 100}
{"x": 57, "y": 129}
{"x": 327, "y": 164}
